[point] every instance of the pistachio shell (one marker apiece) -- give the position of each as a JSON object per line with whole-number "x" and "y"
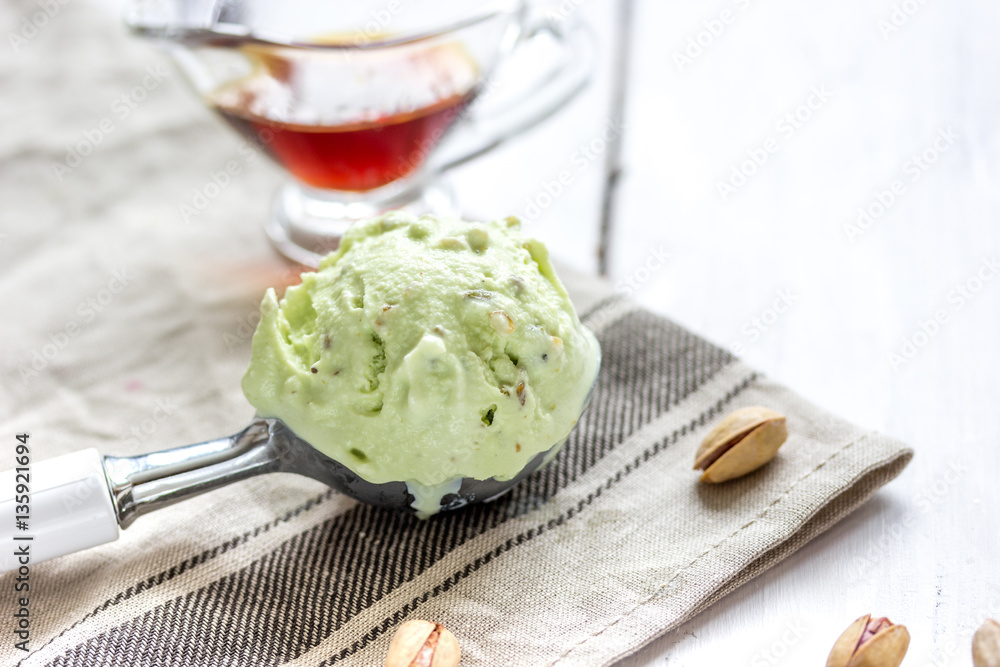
{"x": 733, "y": 427}
{"x": 748, "y": 452}
{"x": 843, "y": 649}
{"x": 885, "y": 649}
{"x": 423, "y": 644}
{"x": 407, "y": 642}
{"x": 986, "y": 645}
{"x": 447, "y": 654}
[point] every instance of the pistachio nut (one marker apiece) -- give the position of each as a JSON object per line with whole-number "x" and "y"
{"x": 501, "y": 322}
{"x": 986, "y": 645}
{"x": 423, "y": 644}
{"x": 870, "y": 642}
{"x": 739, "y": 444}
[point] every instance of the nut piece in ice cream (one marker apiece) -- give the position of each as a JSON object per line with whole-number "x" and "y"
{"x": 739, "y": 444}
{"x": 870, "y": 642}
{"x": 423, "y": 644}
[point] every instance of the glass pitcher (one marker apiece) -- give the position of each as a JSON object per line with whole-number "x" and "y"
{"x": 363, "y": 103}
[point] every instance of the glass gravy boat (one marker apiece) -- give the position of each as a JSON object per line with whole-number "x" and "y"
{"x": 364, "y": 103}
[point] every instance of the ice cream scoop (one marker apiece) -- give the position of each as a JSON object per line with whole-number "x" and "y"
{"x": 468, "y": 393}
{"x": 81, "y": 500}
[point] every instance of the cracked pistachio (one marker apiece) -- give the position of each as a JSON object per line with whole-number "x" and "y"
{"x": 739, "y": 444}
{"x": 423, "y": 644}
{"x": 986, "y": 645}
{"x": 870, "y": 642}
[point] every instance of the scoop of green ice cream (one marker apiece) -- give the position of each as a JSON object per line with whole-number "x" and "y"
{"x": 426, "y": 350}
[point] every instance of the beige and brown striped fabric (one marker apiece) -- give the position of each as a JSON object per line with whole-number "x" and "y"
{"x": 610, "y": 546}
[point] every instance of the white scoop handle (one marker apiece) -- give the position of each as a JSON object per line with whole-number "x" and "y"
{"x": 69, "y": 508}
{"x": 81, "y": 500}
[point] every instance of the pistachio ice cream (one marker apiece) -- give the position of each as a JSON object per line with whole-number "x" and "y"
{"x": 426, "y": 350}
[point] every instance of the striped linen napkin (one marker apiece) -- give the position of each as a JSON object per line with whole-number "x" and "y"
{"x": 611, "y": 545}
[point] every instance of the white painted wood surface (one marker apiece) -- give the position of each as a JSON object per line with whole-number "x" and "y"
{"x": 923, "y": 551}
{"x": 896, "y": 76}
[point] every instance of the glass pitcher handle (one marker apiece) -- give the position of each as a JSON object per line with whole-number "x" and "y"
{"x": 482, "y": 130}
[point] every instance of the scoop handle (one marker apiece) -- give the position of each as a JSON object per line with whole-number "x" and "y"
{"x": 82, "y": 500}
{"x": 148, "y": 482}
{"x": 54, "y": 507}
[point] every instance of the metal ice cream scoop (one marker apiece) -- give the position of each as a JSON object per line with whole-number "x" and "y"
{"x": 82, "y": 500}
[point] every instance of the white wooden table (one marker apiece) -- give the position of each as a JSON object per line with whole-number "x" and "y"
{"x": 891, "y": 320}
{"x": 753, "y": 130}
